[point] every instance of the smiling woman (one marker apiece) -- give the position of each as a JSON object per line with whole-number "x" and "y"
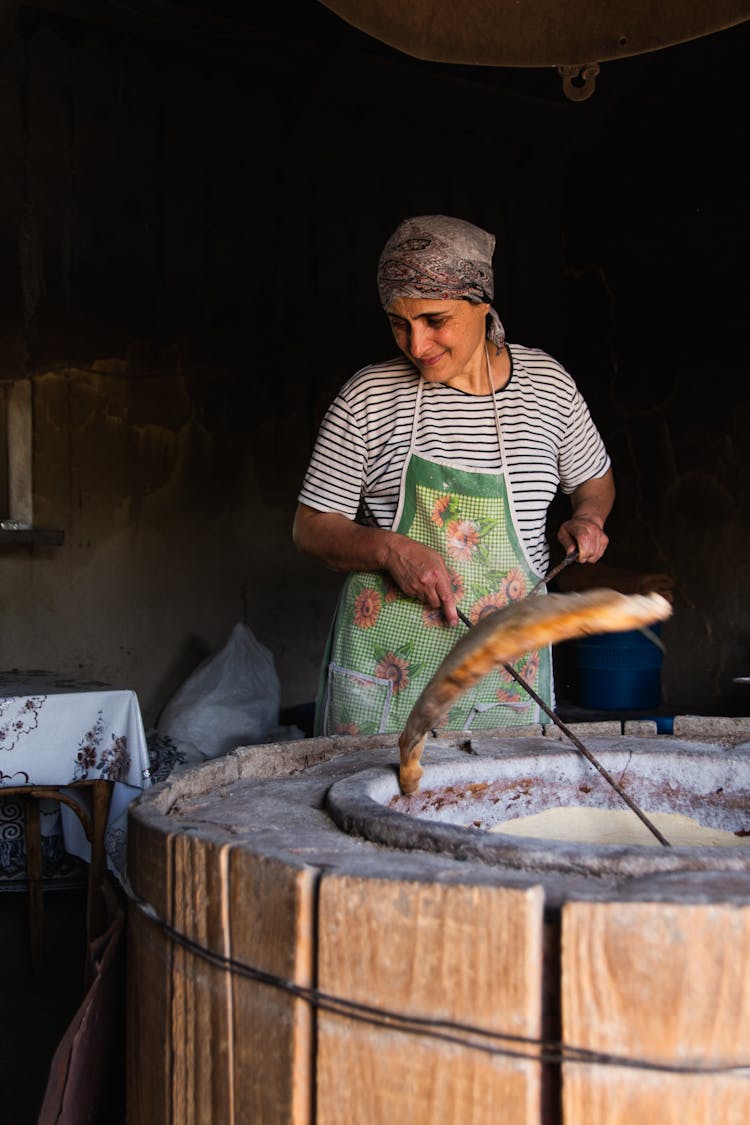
{"x": 445, "y": 340}
{"x": 429, "y": 485}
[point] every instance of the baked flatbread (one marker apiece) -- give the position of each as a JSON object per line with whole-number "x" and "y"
{"x": 503, "y": 637}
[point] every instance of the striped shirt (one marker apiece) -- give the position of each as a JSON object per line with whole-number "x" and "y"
{"x": 549, "y": 437}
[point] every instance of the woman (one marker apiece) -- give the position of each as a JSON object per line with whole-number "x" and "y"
{"x": 430, "y": 482}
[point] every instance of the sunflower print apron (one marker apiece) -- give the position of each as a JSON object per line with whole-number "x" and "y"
{"x": 384, "y": 646}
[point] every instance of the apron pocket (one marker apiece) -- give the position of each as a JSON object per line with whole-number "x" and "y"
{"x": 355, "y": 703}
{"x": 487, "y": 716}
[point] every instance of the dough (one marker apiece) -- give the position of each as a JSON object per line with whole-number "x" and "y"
{"x": 584, "y": 825}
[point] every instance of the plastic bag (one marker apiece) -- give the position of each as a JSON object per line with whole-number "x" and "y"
{"x": 231, "y": 699}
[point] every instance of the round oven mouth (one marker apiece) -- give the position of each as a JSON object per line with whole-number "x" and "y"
{"x": 462, "y": 796}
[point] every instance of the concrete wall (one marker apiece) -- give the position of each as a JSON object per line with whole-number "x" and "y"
{"x": 189, "y": 240}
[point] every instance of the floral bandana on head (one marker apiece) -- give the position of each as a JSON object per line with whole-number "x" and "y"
{"x": 440, "y": 258}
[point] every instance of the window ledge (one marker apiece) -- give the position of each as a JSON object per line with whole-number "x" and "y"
{"x": 31, "y": 535}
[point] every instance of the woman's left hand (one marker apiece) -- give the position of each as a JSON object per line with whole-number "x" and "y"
{"x": 591, "y": 502}
{"x": 585, "y": 535}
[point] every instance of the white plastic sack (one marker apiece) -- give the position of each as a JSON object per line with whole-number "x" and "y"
{"x": 231, "y": 699}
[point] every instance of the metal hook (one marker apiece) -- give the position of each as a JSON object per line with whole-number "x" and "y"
{"x": 579, "y": 82}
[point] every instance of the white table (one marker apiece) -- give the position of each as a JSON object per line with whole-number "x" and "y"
{"x": 83, "y": 744}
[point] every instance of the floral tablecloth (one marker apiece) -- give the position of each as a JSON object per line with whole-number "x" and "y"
{"x": 57, "y": 729}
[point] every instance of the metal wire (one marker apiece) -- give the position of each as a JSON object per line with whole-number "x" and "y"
{"x": 465, "y": 1035}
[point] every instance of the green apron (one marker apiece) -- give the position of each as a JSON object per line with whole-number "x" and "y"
{"x": 384, "y": 647}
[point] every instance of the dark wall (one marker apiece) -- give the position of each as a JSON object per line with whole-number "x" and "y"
{"x": 190, "y": 231}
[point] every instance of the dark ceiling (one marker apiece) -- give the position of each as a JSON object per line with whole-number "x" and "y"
{"x": 264, "y": 35}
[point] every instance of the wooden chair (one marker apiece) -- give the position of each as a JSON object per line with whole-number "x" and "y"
{"x": 94, "y": 823}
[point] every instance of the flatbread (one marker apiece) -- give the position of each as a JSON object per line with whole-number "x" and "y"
{"x": 506, "y": 635}
{"x": 585, "y": 825}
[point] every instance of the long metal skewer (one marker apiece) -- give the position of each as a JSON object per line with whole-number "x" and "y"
{"x": 576, "y": 742}
{"x": 571, "y": 558}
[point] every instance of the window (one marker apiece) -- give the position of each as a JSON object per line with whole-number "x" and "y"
{"x": 15, "y": 452}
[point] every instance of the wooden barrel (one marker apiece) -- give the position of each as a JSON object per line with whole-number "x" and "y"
{"x": 281, "y": 969}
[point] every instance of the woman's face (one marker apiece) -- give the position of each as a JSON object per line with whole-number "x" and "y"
{"x": 443, "y": 339}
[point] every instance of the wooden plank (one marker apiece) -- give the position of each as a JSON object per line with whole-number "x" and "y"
{"x": 471, "y": 954}
{"x": 149, "y": 861}
{"x": 271, "y": 918}
{"x": 150, "y": 954}
{"x": 663, "y": 982}
{"x": 20, "y": 451}
{"x": 148, "y": 998}
{"x": 206, "y": 1042}
{"x": 201, "y": 1015}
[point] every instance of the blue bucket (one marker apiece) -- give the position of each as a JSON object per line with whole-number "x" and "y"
{"x": 619, "y": 671}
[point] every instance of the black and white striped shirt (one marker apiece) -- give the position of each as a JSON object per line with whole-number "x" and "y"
{"x": 549, "y": 437}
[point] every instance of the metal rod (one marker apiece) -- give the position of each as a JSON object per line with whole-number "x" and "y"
{"x": 571, "y": 558}
{"x": 578, "y": 744}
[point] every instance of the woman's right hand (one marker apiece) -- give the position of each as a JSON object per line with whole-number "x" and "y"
{"x": 421, "y": 573}
{"x": 342, "y": 544}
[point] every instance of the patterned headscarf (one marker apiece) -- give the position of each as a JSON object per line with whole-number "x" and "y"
{"x": 442, "y": 259}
